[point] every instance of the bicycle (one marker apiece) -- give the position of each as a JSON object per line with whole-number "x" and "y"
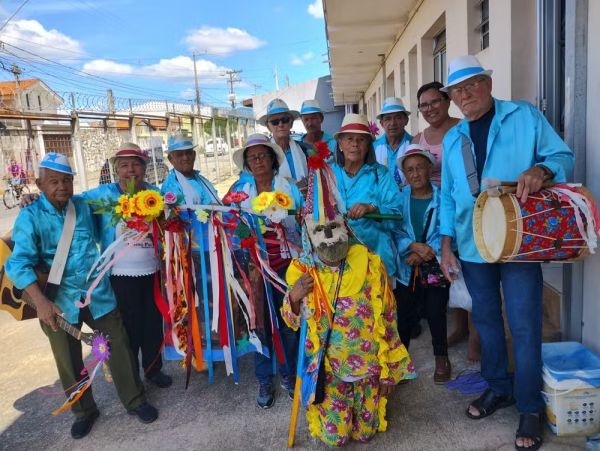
{"x": 15, "y": 189}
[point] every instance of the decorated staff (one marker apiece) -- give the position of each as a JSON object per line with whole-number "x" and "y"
{"x": 351, "y": 350}
{"x": 55, "y": 235}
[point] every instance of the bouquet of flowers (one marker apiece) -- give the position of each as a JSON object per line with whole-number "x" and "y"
{"x": 272, "y": 204}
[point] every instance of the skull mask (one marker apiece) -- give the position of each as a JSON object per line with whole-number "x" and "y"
{"x": 329, "y": 239}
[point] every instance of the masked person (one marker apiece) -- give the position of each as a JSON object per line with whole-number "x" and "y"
{"x": 350, "y": 314}
{"x": 38, "y": 230}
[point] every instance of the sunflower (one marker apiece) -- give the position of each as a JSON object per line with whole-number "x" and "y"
{"x": 124, "y": 206}
{"x": 283, "y": 200}
{"x": 148, "y": 203}
{"x": 262, "y": 201}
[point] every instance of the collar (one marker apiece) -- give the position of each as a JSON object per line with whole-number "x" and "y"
{"x": 503, "y": 108}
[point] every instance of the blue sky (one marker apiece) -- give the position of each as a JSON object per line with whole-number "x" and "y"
{"x": 143, "y": 50}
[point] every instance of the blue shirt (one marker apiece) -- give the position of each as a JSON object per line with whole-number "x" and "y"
{"x": 326, "y": 138}
{"x": 102, "y": 222}
{"x": 519, "y": 138}
{"x": 205, "y": 189}
{"x": 36, "y": 234}
{"x": 391, "y": 154}
{"x": 406, "y": 234}
{"x": 372, "y": 184}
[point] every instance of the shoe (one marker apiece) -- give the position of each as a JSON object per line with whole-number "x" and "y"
{"x": 145, "y": 413}
{"x": 83, "y": 425}
{"x": 488, "y": 403}
{"x": 160, "y": 379}
{"x": 266, "y": 396}
{"x": 416, "y": 330}
{"x": 443, "y": 370}
{"x": 288, "y": 383}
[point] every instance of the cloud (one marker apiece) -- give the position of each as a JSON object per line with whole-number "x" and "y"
{"x": 32, "y": 36}
{"x": 221, "y": 41}
{"x": 315, "y": 9}
{"x": 300, "y": 60}
{"x": 179, "y": 69}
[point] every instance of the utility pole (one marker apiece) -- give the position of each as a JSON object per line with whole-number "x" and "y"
{"x": 255, "y": 86}
{"x": 233, "y": 78}
{"x": 16, "y": 71}
{"x": 276, "y": 79}
{"x": 198, "y": 108}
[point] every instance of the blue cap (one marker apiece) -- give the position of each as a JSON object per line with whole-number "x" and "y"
{"x": 179, "y": 143}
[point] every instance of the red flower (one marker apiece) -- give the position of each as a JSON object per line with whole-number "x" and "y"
{"x": 235, "y": 197}
{"x": 315, "y": 162}
{"x": 320, "y": 153}
{"x": 248, "y": 243}
{"x": 174, "y": 225}
{"x": 138, "y": 224}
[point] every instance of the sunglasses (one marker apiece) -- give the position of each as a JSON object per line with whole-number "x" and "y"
{"x": 283, "y": 120}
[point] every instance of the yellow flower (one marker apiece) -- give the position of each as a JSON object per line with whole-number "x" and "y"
{"x": 283, "y": 200}
{"x": 262, "y": 201}
{"x": 201, "y": 215}
{"x": 124, "y": 206}
{"x": 148, "y": 203}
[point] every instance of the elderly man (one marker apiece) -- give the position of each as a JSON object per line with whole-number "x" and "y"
{"x": 388, "y": 147}
{"x": 59, "y": 215}
{"x": 183, "y": 180}
{"x": 312, "y": 118}
{"x": 279, "y": 120}
{"x": 133, "y": 275}
{"x": 506, "y": 141}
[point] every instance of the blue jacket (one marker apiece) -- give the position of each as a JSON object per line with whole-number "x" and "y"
{"x": 102, "y": 222}
{"x": 327, "y": 138}
{"x": 406, "y": 235}
{"x": 381, "y": 146}
{"x": 36, "y": 234}
{"x": 372, "y": 184}
{"x": 519, "y": 138}
{"x": 208, "y": 194}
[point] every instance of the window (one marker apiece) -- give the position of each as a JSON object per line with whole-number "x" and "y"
{"x": 439, "y": 57}
{"x": 484, "y": 26}
{"x": 402, "y": 79}
{"x": 40, "y": 102}
{"x": 27, "y": 101}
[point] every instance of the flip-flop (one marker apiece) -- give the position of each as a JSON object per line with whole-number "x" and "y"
{"x": 530, "y": 426}
{"x": 488, "y": 403}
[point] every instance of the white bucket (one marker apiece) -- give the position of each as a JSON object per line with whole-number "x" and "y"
{"x": 572, "y": 406}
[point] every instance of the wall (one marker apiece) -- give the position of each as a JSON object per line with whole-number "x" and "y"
{"x": 591, "y": 281}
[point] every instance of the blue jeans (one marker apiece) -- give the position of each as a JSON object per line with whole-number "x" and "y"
{"x": 263, "y": 366}
{"x": 522, "y": 285}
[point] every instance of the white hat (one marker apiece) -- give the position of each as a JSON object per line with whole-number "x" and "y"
{"x": 415, "y": 149}
{"x": 127, "y": 149}
{"x": 277, "y": 106}
{"x": 392, "y": 105}
{"x": 56, "y": 162}
{"x": 179, "y": 142}
{"x": 257, "y": 139}
{"x": 310, "y": 107}
{"x": 354, "y": 123}
{"x": 462, "y": 68}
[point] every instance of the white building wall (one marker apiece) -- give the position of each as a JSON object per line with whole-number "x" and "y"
{"x": 591, "y": 279}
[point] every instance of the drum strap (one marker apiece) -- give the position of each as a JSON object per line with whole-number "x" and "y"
{"x": 62, "y": 252}
{"x": 470, "y": 168}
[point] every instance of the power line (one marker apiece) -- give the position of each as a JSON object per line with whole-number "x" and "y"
{"x": 14, "y": 14}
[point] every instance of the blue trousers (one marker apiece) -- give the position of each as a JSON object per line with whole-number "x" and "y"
{"x": 522, "y": 286}
{"x": 263, "y": 366}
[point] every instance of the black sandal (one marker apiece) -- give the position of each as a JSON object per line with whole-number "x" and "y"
{"x": 530, "y": 426}
{"x": 488, "y": 403}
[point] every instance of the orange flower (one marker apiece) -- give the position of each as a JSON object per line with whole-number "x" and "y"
{"x": 148, "y": 204}
{"x": 283, "y": 200}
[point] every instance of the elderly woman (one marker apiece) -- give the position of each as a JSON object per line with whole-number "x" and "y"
{"x": 133, "y": 275}
{"x": 366, "y": 186}
{"x": 260, "y": 160}
{"x": 434, "y": 105}
{"x": 419, "y": 242}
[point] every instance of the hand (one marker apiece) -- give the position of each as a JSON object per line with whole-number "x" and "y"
{"x": 530, "y": 182}
{"x": 449, "y": 264}
{"x": 414, "y": 260}
{"x": 47, "y": 311}
{"x": 422, "y": 250}
{"x": 385, "y": 389}
{"x": 303, "y": 286}
{"x": 28, "y": 199}
{"x": 357, "y": 211}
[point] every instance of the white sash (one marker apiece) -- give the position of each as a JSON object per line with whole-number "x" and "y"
{"x": 299, "y": 160}
{"x": 191, "y": 196}
{"x": 64, "y": 244}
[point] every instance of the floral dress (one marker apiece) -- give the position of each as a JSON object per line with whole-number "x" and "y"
{"x": 364, "y": 347}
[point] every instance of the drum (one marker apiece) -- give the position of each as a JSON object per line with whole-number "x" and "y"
{"x": 556, "y": 224}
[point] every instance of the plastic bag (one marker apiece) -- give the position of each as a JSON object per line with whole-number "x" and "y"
{"x": 459, "y": 295}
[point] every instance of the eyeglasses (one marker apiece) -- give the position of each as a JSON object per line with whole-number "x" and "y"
{"x": 433, "y": 104}
{"x": 283, "y": 120}
{"x": 468, "y": 88}
{"x": 260, "y": 157}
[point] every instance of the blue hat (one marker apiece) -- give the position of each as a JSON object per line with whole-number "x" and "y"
{"x": 463, "y": 68}
{"x": 56, "y": 162}
{"x": 179, "y": 142}
{"x": 392, "y": 105}
{"x": 310, "y": 107}
{"x": 277, "y": 106}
